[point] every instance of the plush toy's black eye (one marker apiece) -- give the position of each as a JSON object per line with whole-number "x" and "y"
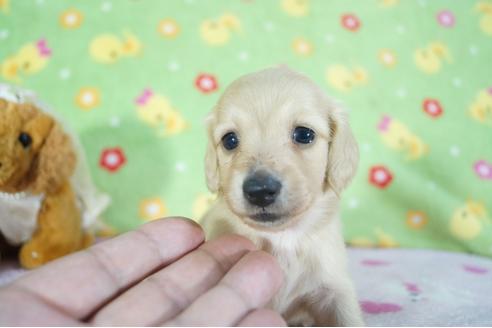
{"x": 303, "y": 135}
{"x": 25, "y": 139}
{"x": 230, "y": 141}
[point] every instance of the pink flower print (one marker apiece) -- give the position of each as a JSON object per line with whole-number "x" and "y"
{"x": 350, "y": 22}
{"x": 412, "y": 288}
{"x": 380, "y": 176}
{"x": 378, "y": 308}
{"x": 475, "y": 269}
{"x": 206, "y": 83}
{"x": 483, "y": 169}
{"x": 432, "y": 107}
{"x": 446, "y": 18}
{"x": 370, "y": 262}
{"x": 112, "y": 159}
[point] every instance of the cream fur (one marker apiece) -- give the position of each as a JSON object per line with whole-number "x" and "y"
{"x": 263, "y": 108}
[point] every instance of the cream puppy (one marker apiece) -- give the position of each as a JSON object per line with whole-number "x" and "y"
{"x": 280, "y": 153}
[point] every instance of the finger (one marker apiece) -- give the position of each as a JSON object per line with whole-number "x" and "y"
{"x": 18, "y": 310}
{"x": 80, "y": 283}
{"x": 167, "y": 292}
{"x": 249, "y": 285}
{"x": 262, "y": 318}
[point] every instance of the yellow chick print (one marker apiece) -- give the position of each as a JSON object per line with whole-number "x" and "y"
{"x": 10, "y": 69}
{"x": 157, "y": 112}
{"x": 217, "y": 32}
{"x": 485, "y": 7}
{"x": 344, "y": 79}
{"x": 384, "y": 239}
{"x": 5, "y": 6}
{"x": 467, "y": 221}
{"x": 109, "y": 48}
{"x": 30, "y": 59}
{"x": 429, "y": 59}
{"x": 388, "y": 3}
{"x": 481, "y": 109}
{"x": 397, "y": 136}
{"x": 296, "y": 8}
{"x": 361, "y": 242}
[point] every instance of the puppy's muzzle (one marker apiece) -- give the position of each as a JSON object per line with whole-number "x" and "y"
{"x": 261, "y": 189}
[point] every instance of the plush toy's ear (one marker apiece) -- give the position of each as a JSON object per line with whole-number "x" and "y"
{"x": 211, "y": 160}
{"x": 55, "y": 162}
{"x": 343, "y": 156}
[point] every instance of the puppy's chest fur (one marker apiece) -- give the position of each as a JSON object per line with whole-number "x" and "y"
{"x": 310, "y": 261}
{"x": 305, "y": 276}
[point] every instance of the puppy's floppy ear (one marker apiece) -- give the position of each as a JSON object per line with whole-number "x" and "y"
{"x": 343, "y": 156}
{"x": 55, "y": 162}
{"x": 211, "y": 160}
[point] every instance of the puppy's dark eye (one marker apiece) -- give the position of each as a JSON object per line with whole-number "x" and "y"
{"x": 230, "y": 141}
{"x": 303, "y": 135}
{"x": 25, "y": 139}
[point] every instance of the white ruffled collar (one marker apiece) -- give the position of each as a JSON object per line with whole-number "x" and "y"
{"x": 14, "y": 196}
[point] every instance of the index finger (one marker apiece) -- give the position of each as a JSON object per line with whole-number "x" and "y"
{"x": 81, "y": 283}
{"x": 248, "y": 286}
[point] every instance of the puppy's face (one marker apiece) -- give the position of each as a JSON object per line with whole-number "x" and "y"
{"x": 276, "y": 145}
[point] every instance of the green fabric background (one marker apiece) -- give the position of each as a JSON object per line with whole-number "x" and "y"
{"x": 168, "y": 170}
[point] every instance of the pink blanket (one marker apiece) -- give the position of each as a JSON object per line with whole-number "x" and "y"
{"x": 399, "y": 287}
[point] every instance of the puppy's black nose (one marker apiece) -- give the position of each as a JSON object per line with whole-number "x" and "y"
{"x": 261, "y": 189}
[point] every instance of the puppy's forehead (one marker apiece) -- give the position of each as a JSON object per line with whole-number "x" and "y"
{"x": 279, "y": 95}
{"x": 270, "y": 88}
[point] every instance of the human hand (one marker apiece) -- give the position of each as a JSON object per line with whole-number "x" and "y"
{"x": 160, "y": 274}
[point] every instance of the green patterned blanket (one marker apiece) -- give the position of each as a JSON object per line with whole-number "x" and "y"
{"x": 136, "y": 78}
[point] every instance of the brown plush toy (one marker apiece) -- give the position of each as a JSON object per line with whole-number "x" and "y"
{"x": 38, "y": 205}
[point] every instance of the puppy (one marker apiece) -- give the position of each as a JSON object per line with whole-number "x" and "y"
{"x": 280, "y": 152}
